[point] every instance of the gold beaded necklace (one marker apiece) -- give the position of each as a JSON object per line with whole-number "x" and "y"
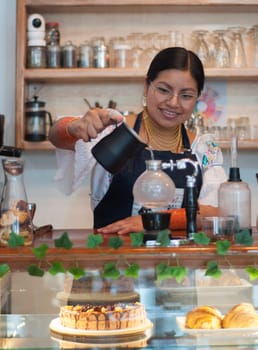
{"x": 160, "y": 138}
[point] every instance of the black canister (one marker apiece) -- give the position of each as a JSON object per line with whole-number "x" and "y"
{"x": 36, "y": 120}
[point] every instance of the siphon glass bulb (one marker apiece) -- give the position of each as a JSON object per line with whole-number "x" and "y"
{"x": 154, "y": 188}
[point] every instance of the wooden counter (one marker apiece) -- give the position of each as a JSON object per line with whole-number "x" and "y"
{"x": 189, "y": 255}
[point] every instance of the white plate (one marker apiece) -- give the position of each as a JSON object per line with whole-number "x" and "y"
{"x": 222, "y": 332}
{"x": 55, "y": 326}
{"x": 90, "y": 342}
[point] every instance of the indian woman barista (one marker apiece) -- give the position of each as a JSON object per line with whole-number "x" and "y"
{"x": 174, "y": 81}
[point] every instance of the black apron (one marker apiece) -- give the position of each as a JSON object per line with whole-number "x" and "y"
{"x": 118, "y": 201}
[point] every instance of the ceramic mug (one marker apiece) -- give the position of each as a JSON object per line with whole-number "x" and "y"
{"x": 114, "y": 150}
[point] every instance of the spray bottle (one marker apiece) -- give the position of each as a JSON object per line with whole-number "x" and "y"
{"x": 234, "y": 195}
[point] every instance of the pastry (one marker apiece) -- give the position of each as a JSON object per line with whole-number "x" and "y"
{"x": 242, "y": 315}
{"x": 204, "y": 317}
{"x": 109, "y": 317}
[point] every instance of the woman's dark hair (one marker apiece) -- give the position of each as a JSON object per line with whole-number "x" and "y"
{"x": 177, "y": 58}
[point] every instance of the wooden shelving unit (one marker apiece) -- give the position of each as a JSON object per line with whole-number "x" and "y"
{"x": 26, "y": 77}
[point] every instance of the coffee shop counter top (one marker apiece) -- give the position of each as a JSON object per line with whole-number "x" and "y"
{"x": 190, "y": 254}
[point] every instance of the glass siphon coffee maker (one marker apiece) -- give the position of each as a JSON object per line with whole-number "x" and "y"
{"x": 14, "y": 212}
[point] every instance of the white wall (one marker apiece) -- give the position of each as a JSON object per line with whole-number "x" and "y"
{"x": 53, "y": 207}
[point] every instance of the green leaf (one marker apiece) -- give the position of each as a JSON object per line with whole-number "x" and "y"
{"x": 222, "y": 246}
{"x": 94, "y": 240}
{"x": 201, "y": 238}
{"x": 163, "y": 238}
{"x": 213, "y": 269}
{"x": 163, "y": 271}
{"x": 15, "y": 240}
{"x": 77, "y": 272}
{"x": 115, "y": 242}
{"x": 110, "y": 270}
{"x": 34, "y": 270}
{"x": 244, "y": 237}
{"x": 56, "y": 267}
{"x": 252, "y": 273}
{"x": 63, "y": 242}
{"x": 179, "y": 273}
{"x": 40, "y": 251}
{"x": 136, "y": 239}
{"x": 132, "y": 271}
{"x": 4, "y": 268}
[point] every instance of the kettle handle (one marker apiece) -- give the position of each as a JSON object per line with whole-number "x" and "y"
{"x": 50, "y": 118}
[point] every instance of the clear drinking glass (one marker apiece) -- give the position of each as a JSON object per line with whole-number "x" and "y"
{"x": 201, "y": 47}
{"x": 222, "y": 54}
{"x": 238, "y": 59}
{"x": 136, "y": 41}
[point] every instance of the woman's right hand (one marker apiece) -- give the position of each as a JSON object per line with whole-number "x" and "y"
{"x": 66, "y": 131}
{"x": 92, "y": 123}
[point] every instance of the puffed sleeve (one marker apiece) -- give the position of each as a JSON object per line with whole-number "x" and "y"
{"x": 74, "y": 166}
{"x": 210, "y": 158}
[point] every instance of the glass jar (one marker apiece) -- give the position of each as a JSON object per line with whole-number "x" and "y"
{"x": 14, "y": 213}
{"x": 122, "y": 54}
{"x": 36, "y": 56}
{"x": 69, "y": 58}
{"x": 53, "y": 56}
{"x": 85, "y": 55}
{"x": 52, "y": 33}
{"x": 100, "y": 53}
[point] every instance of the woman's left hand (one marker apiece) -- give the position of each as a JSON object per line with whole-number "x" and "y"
{"x": 125, "y": 226}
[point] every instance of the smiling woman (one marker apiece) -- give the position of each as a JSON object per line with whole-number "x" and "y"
{"x": 173, "y": 83}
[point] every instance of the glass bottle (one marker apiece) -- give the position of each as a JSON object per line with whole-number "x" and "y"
{"x": 52, "y": 33}
{"x": 234, "y": 196}
{"x": 14, "y": 212}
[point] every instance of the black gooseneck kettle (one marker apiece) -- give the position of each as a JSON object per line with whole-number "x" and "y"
{"x": 36, "y": 120}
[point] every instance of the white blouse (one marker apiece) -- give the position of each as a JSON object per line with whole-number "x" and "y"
{"x": 74, "y": 166}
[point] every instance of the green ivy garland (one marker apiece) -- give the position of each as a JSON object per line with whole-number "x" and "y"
{"x": 111, "y": 270}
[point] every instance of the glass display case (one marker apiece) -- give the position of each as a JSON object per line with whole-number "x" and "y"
{"x": 104, "y": 275}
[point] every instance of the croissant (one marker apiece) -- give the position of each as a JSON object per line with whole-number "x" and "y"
{"x": 204, "y": 317}
{"x": 242, "y": 315}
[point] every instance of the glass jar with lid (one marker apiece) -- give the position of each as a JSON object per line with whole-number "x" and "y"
{"x": 85, "y": 55}
{"x": 53, "y": 56}
{"x": 37, "y": 55}
{"x": 69, "y": 55}
{"x": 100, "y": 53}
{"x": 52, "y": 33}
{"x": 122, "y": 53}
{"x": 14, "y": 212}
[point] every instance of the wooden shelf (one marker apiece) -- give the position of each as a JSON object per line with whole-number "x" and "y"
{"x": 89, "y": 74}
{"x": 242, "y": 144}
